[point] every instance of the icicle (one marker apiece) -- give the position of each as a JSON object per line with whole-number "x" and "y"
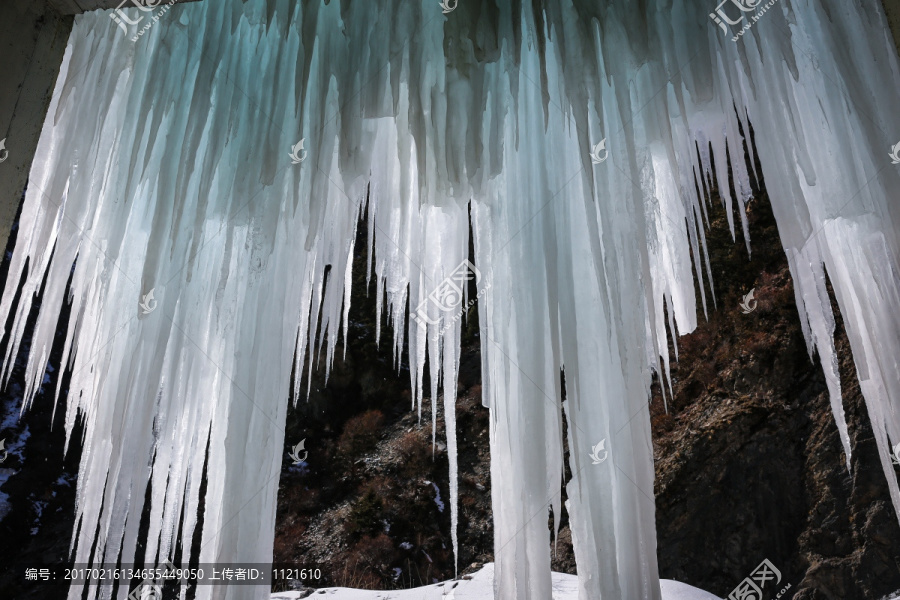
{"x": 818, "y": 326}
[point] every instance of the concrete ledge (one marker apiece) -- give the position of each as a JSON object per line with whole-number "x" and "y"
{"x": 74, "y": 7}
{"x": 34, "y": 39}
{"x": 892, "y": 12}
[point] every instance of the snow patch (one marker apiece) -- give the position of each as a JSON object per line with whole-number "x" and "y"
{"x": 480, "y": 586}
{"x": 437, "y": 496}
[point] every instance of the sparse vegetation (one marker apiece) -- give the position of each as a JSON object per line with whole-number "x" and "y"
{"x": 366, "y": 515}
{"x": 360, "y": 433}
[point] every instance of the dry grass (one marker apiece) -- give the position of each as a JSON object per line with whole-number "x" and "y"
{"x": 360, "y": 433}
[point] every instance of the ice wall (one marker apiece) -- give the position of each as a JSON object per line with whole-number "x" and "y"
{"x": 165, "y": 166}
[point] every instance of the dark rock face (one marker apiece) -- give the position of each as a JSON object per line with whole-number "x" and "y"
{"x": 749, "y": 461}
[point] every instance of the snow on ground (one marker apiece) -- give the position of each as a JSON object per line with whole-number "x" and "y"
{"x": 675, "y": 590}
{"x": 480, "y": 587}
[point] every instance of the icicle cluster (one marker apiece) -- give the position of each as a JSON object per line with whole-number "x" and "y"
{"x": 579, "y": 140}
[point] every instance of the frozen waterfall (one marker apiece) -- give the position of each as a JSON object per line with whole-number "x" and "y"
{"x": 576, "y": 140}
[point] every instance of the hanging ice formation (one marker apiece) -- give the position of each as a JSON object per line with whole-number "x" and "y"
{"x": 164, "y": 167}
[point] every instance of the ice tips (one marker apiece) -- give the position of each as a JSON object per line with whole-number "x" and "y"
{"x": 295, "y": 452}
{"x": 895, "y": 154}
{"x": 298, "y": 154}
{"x": 596, "y": 450}
{"x": 748, "y": 305}
{"x": 599, "y": 153}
